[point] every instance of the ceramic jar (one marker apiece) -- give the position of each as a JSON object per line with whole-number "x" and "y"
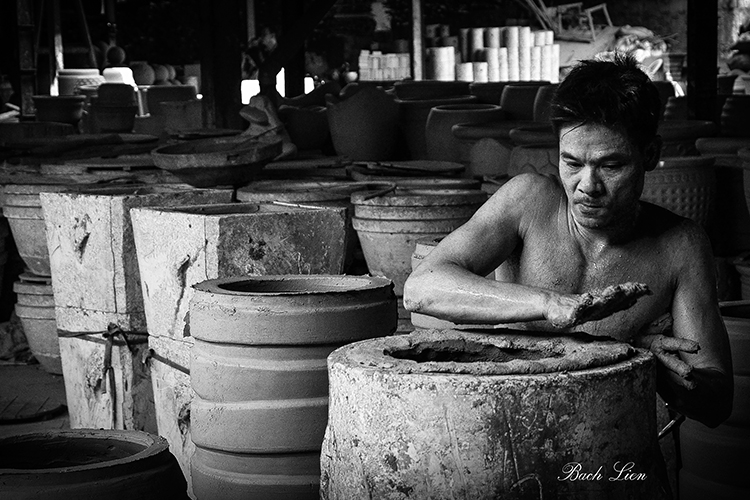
{"x": 439, "y": 139}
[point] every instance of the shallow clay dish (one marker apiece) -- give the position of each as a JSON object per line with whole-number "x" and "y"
{"x": 231, "y": 161}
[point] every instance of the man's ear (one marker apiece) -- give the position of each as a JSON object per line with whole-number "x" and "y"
{"x": 652, "y": 154}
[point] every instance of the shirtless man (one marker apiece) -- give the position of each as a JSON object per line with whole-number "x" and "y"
{"x": 557, "y": 239}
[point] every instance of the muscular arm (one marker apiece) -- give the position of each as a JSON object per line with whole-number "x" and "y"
{"x": 696, "y": 317}
{"x": 449, "y": 283}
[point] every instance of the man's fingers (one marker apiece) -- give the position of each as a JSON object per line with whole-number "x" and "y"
{"x": 675, "y": 344}
{"x": 674, "y": 364}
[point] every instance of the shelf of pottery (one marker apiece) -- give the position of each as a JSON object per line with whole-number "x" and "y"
{"x": 489, "y": 54}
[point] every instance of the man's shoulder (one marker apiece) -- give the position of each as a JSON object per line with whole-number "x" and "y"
{"x": 532, "y": 185}
{"x": 681, "y": 233}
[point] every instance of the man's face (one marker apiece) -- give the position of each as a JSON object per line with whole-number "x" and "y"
{"x": 602, "y": 173}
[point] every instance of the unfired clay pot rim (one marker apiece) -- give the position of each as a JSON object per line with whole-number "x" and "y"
{"x": 576, "y": 356}
{"x": 304, "y": 284}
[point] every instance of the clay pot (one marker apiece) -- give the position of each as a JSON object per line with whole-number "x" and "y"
{"x": 478, "y": 406}
{"x": 679, "y": 136}
{"x": 69, "y": 80}
{"x": 730, "y": 233}
{"x": 725, "y": 84}
{"x": 518, "y": 101}
{"x": 441, "y": 145}
{"x": 114, "y": 119}
{"x": 364, "y": 124}
{"x": 115, "y": 94}
{"x": 62, "y": 108}
{"x": 713, "y": 458}
{"x": 684, "y": 185}
{"x": 116, "y": 465}
{"x": 307, "y": 127}
{"x": 484, "y": 147}
{"x": 535, "y": 158}
{"x": 35, "y": 307}
{"x": 413, "y": 114}
{"x": 23, "y": 209}
{"x": 259, "y": 372}
{"x": 676, "y": 108}
{"x": 666, "y": 90}
{"x": 735, "y": 116}
{"x": 143, "y": 74}
{"x": 389, "y": 225}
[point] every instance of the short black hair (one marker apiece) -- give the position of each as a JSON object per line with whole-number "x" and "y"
{"x": 616, "y": 93}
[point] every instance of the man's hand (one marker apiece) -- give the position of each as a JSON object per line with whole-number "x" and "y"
{"x": 665, "y": 349}
{"x": 565, "y": 311}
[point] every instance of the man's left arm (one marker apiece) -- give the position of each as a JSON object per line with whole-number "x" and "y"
{"x": 705, "y": 393}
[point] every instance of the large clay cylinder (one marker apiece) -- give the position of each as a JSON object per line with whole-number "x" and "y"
{"x": 715, "y": 461}
{"x": 439, "y": 140}
{"x": 449, "y": 414}
{"x": 389, "y": 226}
{"x": 258, "y": 368}
{"x": 89, "y": 463}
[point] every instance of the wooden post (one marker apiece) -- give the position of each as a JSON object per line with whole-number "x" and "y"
{"x": 221, "y": 36}
{"x": 294, "y": 67}
{"x": 417, "y": 45}
{"x": 702, "y": 34}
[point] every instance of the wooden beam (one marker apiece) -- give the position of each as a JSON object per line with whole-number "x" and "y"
{"x": 702, "y": 46}
{"x": 294, "y": 67}
{"x": 417, "y": 40}
{"x": 290, "y": 43}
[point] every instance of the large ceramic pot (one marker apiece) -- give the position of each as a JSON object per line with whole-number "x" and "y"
{"x": 69, "y": 80}
{"x": 364, "y": 124}
{"x": 735, "y": 116}
{"x": 439, "y": 139}
{"x": 412, "y": 119}
{"x": 679, "y": 136}
{"x": 684, "y": 185}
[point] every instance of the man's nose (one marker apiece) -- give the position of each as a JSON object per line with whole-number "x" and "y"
{"x": 590, "y": 182}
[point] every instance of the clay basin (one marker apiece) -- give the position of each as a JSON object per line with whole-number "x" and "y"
{"x": 221, "y": 161}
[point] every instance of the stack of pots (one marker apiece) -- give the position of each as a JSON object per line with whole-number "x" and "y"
{"x": 389, "y": 226}
{"x": 36, "y": 305}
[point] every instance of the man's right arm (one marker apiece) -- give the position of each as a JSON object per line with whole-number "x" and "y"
{"x": 450, "y": 284}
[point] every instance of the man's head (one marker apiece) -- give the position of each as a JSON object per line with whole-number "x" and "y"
{"x": 605, "y": 114}
{"x": 615, "y": 93}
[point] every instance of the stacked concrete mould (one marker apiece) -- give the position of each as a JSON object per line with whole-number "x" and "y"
{"x": 178, "y": 247}
{"x": 98, "y": 301}
{"x": 448, "y": 414}
{"x": 259, "y": 372}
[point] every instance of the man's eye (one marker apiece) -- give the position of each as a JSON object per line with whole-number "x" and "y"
{"x": 612, "y": 166}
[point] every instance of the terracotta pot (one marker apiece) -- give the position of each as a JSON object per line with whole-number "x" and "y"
{"x": 684, "y": 185}
{"x": 23, "y": 209}
{"x": 730, "y": 233}
{"x": 441, "y": 145}
{"x": 116, "y": 465}
{"x": 307, "y": 127}
{"x": 62, "y": 108}
{"x": 69, "y": 80}
{"x": 679, "y": 136}
{"x": 114, "y": 118}
{"x": 388, "y": 226}
{"x": 259, "y": 372}
{"x": 735, "y": 116}
{"x": 143, "y": 74}
{"x": 412, "y": 119}
{"x": 518, "y": 101}
{"x": 115, "y": 94}
{"x": 35, "y": 307}
{"x": 364, "y": 125}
